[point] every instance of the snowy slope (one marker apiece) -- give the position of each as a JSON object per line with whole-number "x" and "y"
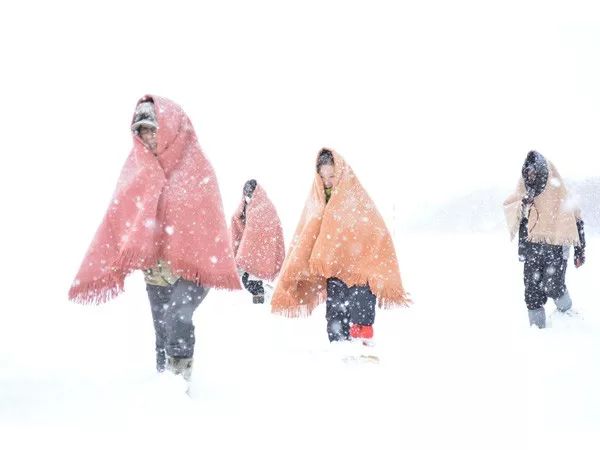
{"x": 428, "y": 101}
{"x": 460, "y": 368}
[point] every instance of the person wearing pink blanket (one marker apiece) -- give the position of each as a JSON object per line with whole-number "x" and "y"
{"x": 166, "y": 218}
{"x": 257, "y": 239}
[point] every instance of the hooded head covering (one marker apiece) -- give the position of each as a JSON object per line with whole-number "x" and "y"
{"x": 535, "y": 174}
{"x": 552, "y": 217}
{"x": 144, "y": 115}
{"x": 166, "y": 206}
{"x": 324, "y": 158}
{"x": 344, "y": 238}
{"x": 249, "y": 188}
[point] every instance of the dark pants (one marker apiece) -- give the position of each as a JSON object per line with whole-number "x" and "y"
{"x": 544, "y": 274}
{"x": 346, "y": 306}
{"x": 255, "y": 287}
{"x": 172, "y": 311}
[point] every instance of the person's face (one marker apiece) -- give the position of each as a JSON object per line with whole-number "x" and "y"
{"x": 327, "y": 173}
{"x": 148, "y": 137}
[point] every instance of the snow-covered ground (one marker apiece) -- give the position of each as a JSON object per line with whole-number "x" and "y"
{"x": 428, "y": 101}
{"x": 459, "y": 369}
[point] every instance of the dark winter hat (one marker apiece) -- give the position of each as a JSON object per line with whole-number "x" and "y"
{"x": 325, "y": 158}
{"x": 144, "y": 115}
{"x": 249, "y": 187}
{"x": 535, "y": 173}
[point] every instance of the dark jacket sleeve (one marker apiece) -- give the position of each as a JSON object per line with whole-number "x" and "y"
{"x": 580, "y": 249}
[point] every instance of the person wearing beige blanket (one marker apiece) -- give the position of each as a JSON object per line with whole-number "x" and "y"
{"x": 548, "y": 224}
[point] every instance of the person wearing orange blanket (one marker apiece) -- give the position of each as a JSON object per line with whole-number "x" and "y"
{"x": 341, "y": 253}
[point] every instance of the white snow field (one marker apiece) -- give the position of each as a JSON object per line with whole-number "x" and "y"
{"x": 428, "y": 101}
{"x": 459, "y": 369}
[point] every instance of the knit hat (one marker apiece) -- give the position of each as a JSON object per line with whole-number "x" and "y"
{"x": 144, "y": 115}
{"x": 249, "y": 187}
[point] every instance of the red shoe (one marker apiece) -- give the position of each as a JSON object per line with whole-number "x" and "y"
{"x": 355, "y": 330}
{"x": 361, "y": 331}
{"x": 367, "y": 332}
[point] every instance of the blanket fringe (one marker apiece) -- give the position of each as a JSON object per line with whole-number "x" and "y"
{"x": 229, "y": 280}
{"x": 101, "y": 290}
{"x": 386, "y": 297}
{"x": 553, "y": 240}
{"x": 287, "y": 305}
{"x": 267, "y": 276}
{"x": 96, "y": 292}
{"x": 295, "y": 312}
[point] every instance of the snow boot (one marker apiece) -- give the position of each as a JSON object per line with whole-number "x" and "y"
{"x": 181, "y": 366}
{"x": 537, "y": 317}
{"x": 362, "y": 337}
{"x": 258, "y": 299}
{"x": 363, "y": 333}
{"x": 563, "y": 303}
{"x": 358, "y": 331}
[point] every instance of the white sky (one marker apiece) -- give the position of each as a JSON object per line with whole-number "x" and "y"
{"x": 425, "y": 99}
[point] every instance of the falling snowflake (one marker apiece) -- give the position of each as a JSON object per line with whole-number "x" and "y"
{"x": 214, "y": 259}
{"x": 169, "y": 230}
